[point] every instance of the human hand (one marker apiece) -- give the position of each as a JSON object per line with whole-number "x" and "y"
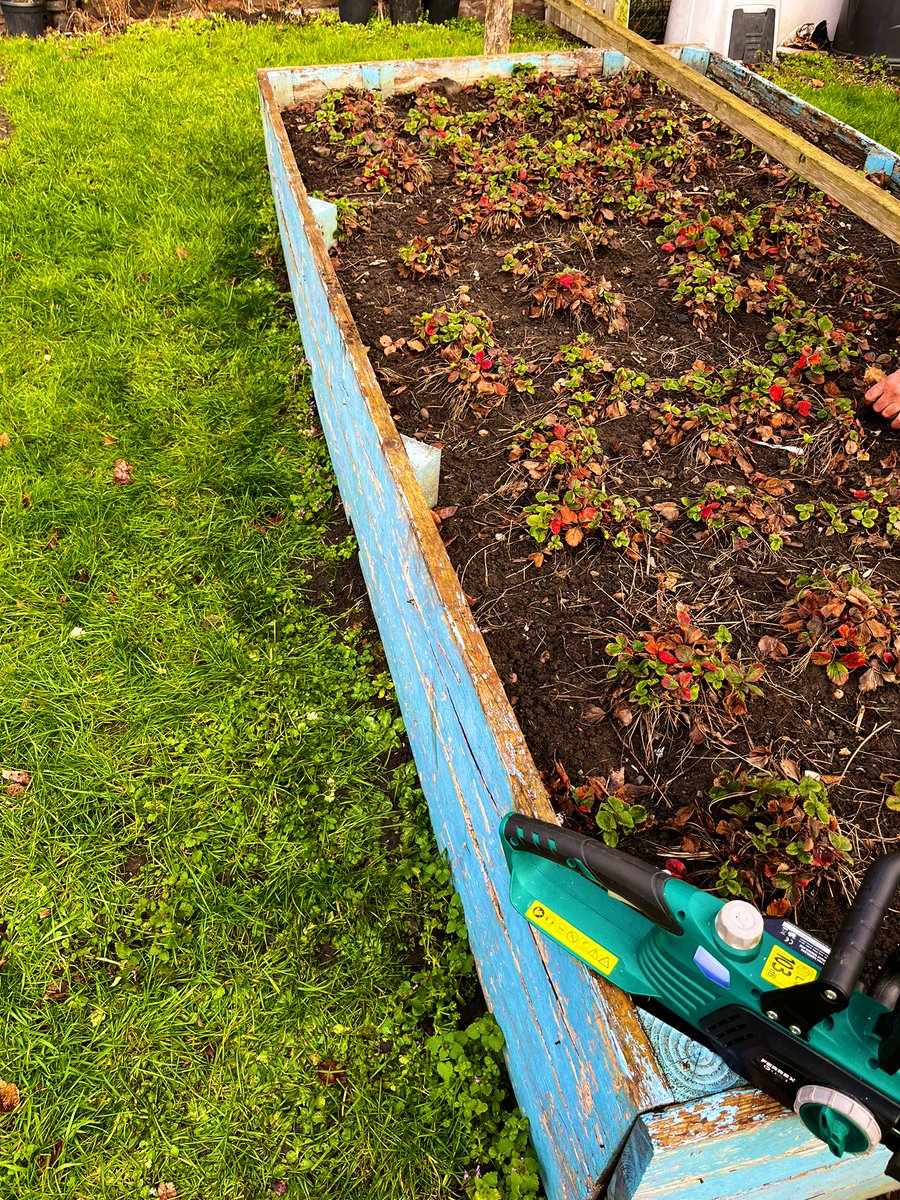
{"x": 884, "y": 397}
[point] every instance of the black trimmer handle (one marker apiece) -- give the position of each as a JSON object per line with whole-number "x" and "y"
{"x": 856, "y": 939}
{"x": 804, "y": 1005}
{"x": 635, "y": 882}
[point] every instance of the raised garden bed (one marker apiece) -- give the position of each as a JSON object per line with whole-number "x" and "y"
{"x": 617, "y": 498}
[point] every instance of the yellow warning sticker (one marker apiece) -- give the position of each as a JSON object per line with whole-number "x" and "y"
{"x": 784, "y": 970}
{"x": 573, "y": 939}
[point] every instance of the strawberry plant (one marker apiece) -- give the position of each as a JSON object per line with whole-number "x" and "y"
{"x": 618, "y": 818}
{"x": 572, "y": 291}
{"x": 740, "y": 510}
{"x": 343, "y": 115}
{"x": 778, "y": 834}
{"x": 424, "y": 258}
{"x": 844, "y": 624}
{"x": 611, "y": 801}
{"x": 811, "y": 345}
{"x": 703, "y": 288}
{"x": 571, "y": 450}
{"x": 526, "y": 261}
{"x": 445, "y": 326}
{"x": 387, "y": 163}
{"x": 676, "y": 666}
{"x": 582, "y": 509}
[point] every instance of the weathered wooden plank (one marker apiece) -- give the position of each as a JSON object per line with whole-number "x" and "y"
{"x": 293, "y": 84}
{"x": 580, "y": 1061}
{"x": 812, "y": 123}
{"x": 851, "y": 188}
{"x": 738, "y": 1146}
{"x": 552, "y": 16}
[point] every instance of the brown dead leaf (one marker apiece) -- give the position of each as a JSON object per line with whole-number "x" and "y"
{"x": 668, "y": 509}
{"x": 778, "y": 907}
{"x": 20, "y": 778}
{"x": 623, "y": 714}
{"x": 167, "y": 1191}
{"x": 181, "y": 252}
{"x": 109, "y": 440}
{"x": 681, "y": 817}
{"x": 122, "y": 471}
{"x": 537, "y": 559}
{"x": 415, "y": 344}
{"x": 593, "y": 714}
{"x": 758, "y": 757}
{"x": 9, "y": 1097}
{"x": 574, "y": 536}
{"x": 870, "y": 679}
{"x": 789, "y": 769}
{"x": 278, "y": 1186}
{"x": 813, "y": 83}
{"x": 4, "y": 440}
{"x": 696, "y": 734}
{"x": 57, "y": 991}
{"x": 444, "y": 514}
{"x": 689, "y": 845}
{"x": 771, "y": 647}
{"x": 873, "y": 375}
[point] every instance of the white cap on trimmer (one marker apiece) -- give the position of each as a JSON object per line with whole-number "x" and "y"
{"x": 739, "y": 925}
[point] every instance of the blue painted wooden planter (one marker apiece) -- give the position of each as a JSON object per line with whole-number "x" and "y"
{"x": 618, "y": 1104}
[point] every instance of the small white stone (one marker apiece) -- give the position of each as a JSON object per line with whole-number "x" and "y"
{"x": 76, "y": 632}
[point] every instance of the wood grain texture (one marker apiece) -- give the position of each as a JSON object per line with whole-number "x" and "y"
{"x": 691, "y": 1069}
{"x": 497, "y": 26}
{"x": 579, "y": 1059}
{"x": 851, "y": 188}
{"x": 738, "y": 1146}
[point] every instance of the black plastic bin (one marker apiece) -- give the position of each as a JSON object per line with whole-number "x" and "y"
{"x": 870, "y": 27}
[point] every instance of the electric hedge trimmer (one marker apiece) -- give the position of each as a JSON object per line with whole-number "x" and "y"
{"x": 779, "y": 1007}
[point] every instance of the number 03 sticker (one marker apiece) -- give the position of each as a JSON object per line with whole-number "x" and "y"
{"x": 784, "y": 970}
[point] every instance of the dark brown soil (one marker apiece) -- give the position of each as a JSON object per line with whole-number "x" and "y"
{"x": 547, "y": 626}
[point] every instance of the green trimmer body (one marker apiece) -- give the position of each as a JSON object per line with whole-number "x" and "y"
{"x": 782, "y": 1009}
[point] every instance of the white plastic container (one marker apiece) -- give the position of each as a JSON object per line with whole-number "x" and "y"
{"x": 735, "y": 28}
{"x": 795, "y": 13}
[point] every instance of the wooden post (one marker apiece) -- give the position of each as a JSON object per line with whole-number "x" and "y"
{"x": 497, "y": 26}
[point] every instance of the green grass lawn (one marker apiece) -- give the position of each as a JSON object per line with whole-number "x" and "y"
{"x": 859, "y": 93}
{"x": 231, "y": 960}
